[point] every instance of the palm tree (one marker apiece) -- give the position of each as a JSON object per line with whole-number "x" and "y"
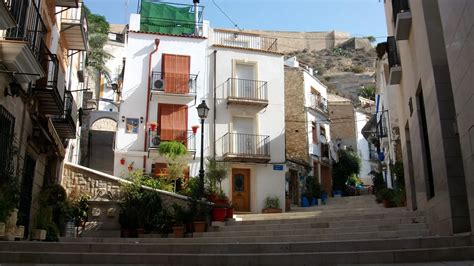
{"x": 367, "y": 92}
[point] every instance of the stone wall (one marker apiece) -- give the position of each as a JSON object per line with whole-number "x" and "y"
{"x": 296, "y": 135}
{"x": 102, "y": 187}
{"x": 343, "y": 123}
{"x": 290, "y": 41}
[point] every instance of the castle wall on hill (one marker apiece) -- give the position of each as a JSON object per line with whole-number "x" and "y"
{"x": 289, "y": 41}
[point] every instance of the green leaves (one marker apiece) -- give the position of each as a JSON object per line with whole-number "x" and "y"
{"x": 172, "y": 148}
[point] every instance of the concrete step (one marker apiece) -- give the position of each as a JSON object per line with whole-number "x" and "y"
{"x": 102, "y": 233}
{"x": 320, "y": 224}
{"x": 314, "y": 231}
{"x": 263, "y": 239}
{"x": 234, "y": 248}
{"x": 321, "y": 217}
{"x": 311, "y": 258}
{"x": 96, "y": 226}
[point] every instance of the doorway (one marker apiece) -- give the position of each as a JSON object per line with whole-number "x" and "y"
{"x": 294, "y": 188}
{"x": 241, "y": 189}
{"x": 243, "y": 136}
{"x": 326, "y": 179}
{"x": 410, "y": 168}
{"x": 26, "y": 193}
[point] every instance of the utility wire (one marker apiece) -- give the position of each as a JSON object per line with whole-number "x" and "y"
{"x": 227, "y": 16}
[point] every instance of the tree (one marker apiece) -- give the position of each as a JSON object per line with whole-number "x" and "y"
{"x": 348, "y": 165}
{"x": 367, "y": 92}
{"x": 98, "y": 29}
{"x": 371, "y": 39}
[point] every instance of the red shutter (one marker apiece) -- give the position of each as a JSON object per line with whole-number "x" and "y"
{"x": 315, "y": 134}
{"x": 165, "y": 121}
{"x": 175, "y": 70}
{"x": 160, "y": 170}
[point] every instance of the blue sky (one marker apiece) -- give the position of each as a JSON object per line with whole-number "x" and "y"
{"x": 358, "y": 17}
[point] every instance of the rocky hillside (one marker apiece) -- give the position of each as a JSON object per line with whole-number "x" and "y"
{"x": 343, "y": 69}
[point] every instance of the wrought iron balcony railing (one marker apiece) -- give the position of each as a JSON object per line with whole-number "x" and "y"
{"x": 176, "y": 83}
{"x": 65, "y": 124}
{"x": 318, "y": 102}
{"x": 399, "y": 6}
{"x": 392, "y": 52}
{"x": 29, "y": 25}
{"x": 244, "y": 40}
{"x": 245, "y": 145}
{"x": 187, "y": 137}
{"x": 246, "y": 89}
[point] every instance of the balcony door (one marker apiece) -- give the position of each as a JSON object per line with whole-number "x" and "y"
{"x": 173, "y": 122}
{"x": 243, "y": 137}
{"x": 175, "y": 72}
{"x": 245, "y": 81}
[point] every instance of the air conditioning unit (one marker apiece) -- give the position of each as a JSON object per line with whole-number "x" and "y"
{"x": 159, "y": 84}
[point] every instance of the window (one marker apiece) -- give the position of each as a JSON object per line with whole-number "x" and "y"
{"x": 314, "y": 133}
{"x": 7, "y": 124}
{"x": 173, "y": 121}
{"x": 175, "y": 74}
{"x": 323, "y": 131}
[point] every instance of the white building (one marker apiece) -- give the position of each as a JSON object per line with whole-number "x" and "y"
{"x": 165, "y": 79}
{"x": 246, "y": 121}
{"x": 308, "y": 135}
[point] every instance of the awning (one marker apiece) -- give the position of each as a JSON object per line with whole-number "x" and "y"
{"x": 370, "y": 128}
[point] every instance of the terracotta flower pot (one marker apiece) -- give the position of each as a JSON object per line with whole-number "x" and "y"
{"x": 229, "y": 213}
{"x": 386, "y": 203}
{"x": 178, "y": 231}
{"x": 271, "y": 210}
{"x": 218, "y": 214}
{"x": 38, "y": 234}
{"x": 199, "y": 227}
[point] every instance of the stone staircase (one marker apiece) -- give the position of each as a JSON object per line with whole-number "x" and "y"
{"x": 346, "y": 231}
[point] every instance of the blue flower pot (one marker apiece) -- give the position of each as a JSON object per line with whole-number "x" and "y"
{"x": 304, "y": 202}
{"x": 314, "y": 201}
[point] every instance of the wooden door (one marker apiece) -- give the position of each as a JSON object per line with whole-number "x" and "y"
{"x": 175, "y": 71}
{"x": 241, "y": 189}
{"x": 326, "y": 179}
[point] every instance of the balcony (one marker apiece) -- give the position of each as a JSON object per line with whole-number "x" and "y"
{"x": 247, "y": 92}
{"x": 188, "y": 138}
{"x": 65, "y": 124}
{"x": 325, "y": 152}
{"x": 238, "y": 147}
{"x": 318, "y": 103}
{"x": 6, "y": 19}
{"x": 21, "y": 45}
{"x": 74, "y": 28}
{"x": 402, "y": 19}
{"x": 394, "y": 63}
{"x": 50, "y": 90}
{"x": 236, "y": 39}
{"x": 67, "y": 3}
{"x": 173, "y": 88}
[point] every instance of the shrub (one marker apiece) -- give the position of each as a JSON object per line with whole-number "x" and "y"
{"x": 348, "y": 165}
{"x": 357, "y": 69}
{"x": 272, "y": 202}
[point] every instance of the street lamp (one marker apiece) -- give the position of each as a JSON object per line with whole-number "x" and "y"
{"x": 203, "y": 110}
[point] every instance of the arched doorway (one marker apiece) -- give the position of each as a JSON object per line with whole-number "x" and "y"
{"x": 101, "y": 145}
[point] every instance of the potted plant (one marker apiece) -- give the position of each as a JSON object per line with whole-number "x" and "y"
{"x": 215, "y": 175}
{"x": 386, "y": 196}
{"x": 219, "y": 212}
{"x": 201, "y": 211}
{"x": 230, "y": 210}
{"x": 80, "y": 210}
{"x": 272, "y": 205}
{"x": 179, "y": 217}
{"x": 42, "y": 222}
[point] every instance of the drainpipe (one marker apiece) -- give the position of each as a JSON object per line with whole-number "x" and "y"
{"x": 157, "y": 43}
{"x": 214, "y": 106}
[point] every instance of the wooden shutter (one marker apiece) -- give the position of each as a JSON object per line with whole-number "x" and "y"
{"x": 314, "y": 133}
{"x": 173, "y": 122}
{"x": 175, "y": 70}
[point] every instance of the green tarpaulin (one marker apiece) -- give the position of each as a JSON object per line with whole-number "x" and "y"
{"x": 163, "y": 18}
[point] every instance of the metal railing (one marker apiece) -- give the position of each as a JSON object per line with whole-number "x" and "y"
{"x": 392, "y": 52}
{"x": 246, "y": 145}
{"x": 247, "y": 89}
{"x": 373, "y": 155}
{"x": 318, "y": 102}
{"x": 399, "y": 6}
{"x": 382, "y": 126}
{"x": 178, "y": 83}
{"x": 244, "y": 40}
{"x": 76, "y": 16}
{"x": 70, "y": 107}
{"x": 187, "y": 137}
{"x": 7, "y": 125}
{"x": 30, "y": 26}
{"x": 54, "y": 79}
